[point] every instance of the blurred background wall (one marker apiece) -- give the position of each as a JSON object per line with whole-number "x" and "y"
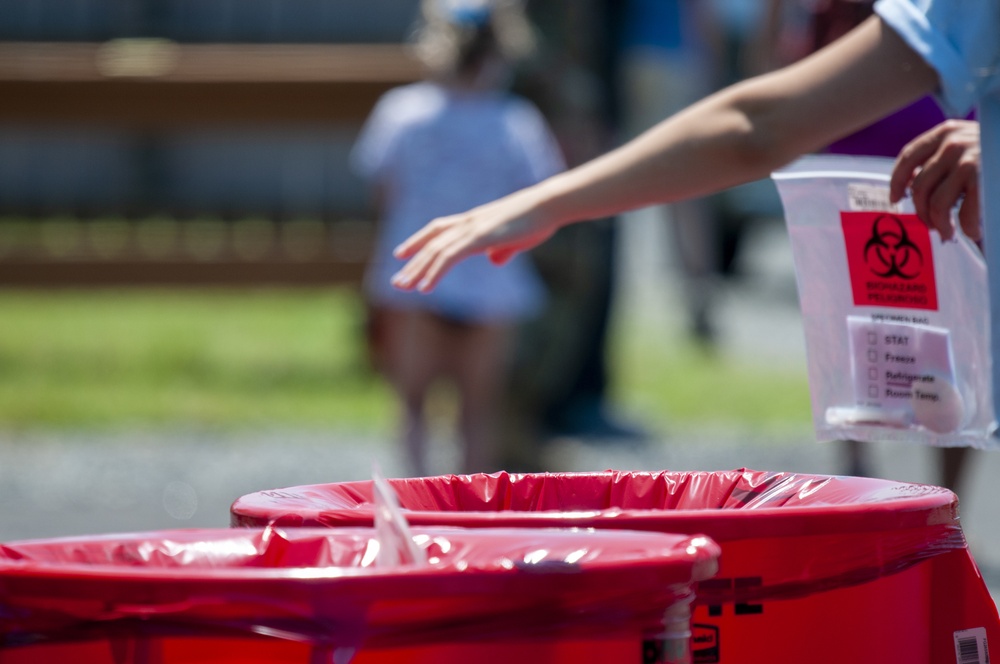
{"x": 134, "y": 134}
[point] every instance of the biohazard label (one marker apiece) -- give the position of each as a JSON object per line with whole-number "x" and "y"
{"x": 890, "y": 260}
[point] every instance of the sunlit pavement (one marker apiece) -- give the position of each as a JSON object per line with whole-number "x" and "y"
{"x": 56, "y": 485}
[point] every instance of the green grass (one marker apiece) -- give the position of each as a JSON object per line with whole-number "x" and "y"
{"x": 236, "y": 359}
{"x": 671, "y": 382}
{"x": 186, "y": 358}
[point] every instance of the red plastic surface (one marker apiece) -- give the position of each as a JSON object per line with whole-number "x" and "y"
{"x": 813, "y": 568}
{"x": 319, "y": 585}
{"x": 846, "y": 530}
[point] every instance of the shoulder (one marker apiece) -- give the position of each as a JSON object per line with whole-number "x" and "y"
{"x": 521, "y": 110}
{"x": 409, "y": 92}
{"x": 965, "y": 24}
{"x": 958, "y": 38}
{"x": 410, "y": 100}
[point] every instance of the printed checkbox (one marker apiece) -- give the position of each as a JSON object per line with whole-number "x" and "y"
{"x": 872, "y": 338}
{"x": 872, "y": 373}
{"x": 873, "y": 355}
{"x": 873, "y": 391}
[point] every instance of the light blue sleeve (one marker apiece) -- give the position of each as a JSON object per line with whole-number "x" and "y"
{"x": 958, "y": 38}
{"x": 541, "y": 150}
{"x": 373, "y": 145}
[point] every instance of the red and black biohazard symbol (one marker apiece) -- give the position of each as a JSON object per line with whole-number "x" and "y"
{"x": 890, "y": 252}
{"x": 890, "y": 258}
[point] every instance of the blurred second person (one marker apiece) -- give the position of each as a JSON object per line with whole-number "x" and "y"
{"x": 453, "y": 141}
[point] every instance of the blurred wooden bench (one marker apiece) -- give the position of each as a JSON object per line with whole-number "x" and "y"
{"x": 149, "y": 85}
{"x": 154, "y": 84}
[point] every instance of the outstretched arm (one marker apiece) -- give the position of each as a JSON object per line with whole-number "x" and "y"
{"x": 737, "y": 135}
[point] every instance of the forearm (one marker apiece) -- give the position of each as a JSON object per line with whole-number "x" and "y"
{"x": 707, "y": 147}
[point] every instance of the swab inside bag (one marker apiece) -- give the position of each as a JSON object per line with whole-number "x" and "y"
{"x": 896, "y": 321}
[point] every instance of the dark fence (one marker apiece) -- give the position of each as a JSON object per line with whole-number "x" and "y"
{"x": 262, "y": 21}
{"x": 189, "y": 141}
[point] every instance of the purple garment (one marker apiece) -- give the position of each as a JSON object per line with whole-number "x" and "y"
{"x": 887, "y": 137}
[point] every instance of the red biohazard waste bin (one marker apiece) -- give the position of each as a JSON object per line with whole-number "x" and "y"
{"x": 303, "y": 595}
{"x": 814, "y": 568}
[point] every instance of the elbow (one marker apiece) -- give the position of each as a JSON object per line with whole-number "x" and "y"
{"x": 764, "y": 146}
{"x": 764, "y": 139}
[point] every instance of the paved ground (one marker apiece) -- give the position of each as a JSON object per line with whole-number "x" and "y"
{"x": 65, "y": 485}
{"x": 53, "y": 485}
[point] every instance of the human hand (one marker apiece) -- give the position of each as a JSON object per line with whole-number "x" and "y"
{"x": 500, "y": 229}
{"x": 941, "y": 169}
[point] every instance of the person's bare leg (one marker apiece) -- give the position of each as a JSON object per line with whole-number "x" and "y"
{"x": 857, "y": 461}
{"x": 695, "y": 231}
{"x": 953, "y": 462}
{"x": 416, "y": 343}
{"x": 480, "y": 360}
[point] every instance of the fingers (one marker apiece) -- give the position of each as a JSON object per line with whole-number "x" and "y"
{"x": 930, "y": 188}
{"x": 415, "y": 242}
{"x": 961, "y": 185}
{"x": 499, "y": 229}
{"x": 913, "y": 155}
{"x": 952, "y": 177}
{"x": 941, "y": 169}
{"x": 436, "y": 263}
{"x": 969, "y": 217}
{"x": 432, "y": 252}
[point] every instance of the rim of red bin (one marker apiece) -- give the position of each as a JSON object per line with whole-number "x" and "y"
{"x": 716, "y": 502}
{"x": 319, "y": 585}
{"x": 804, "y": 533}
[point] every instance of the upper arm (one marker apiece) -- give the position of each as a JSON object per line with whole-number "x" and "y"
{"x": 860, "y": 78}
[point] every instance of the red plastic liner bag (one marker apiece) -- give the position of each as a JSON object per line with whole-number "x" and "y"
{"x": 813, "y": 568}
{"x": 231, "y": 595}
